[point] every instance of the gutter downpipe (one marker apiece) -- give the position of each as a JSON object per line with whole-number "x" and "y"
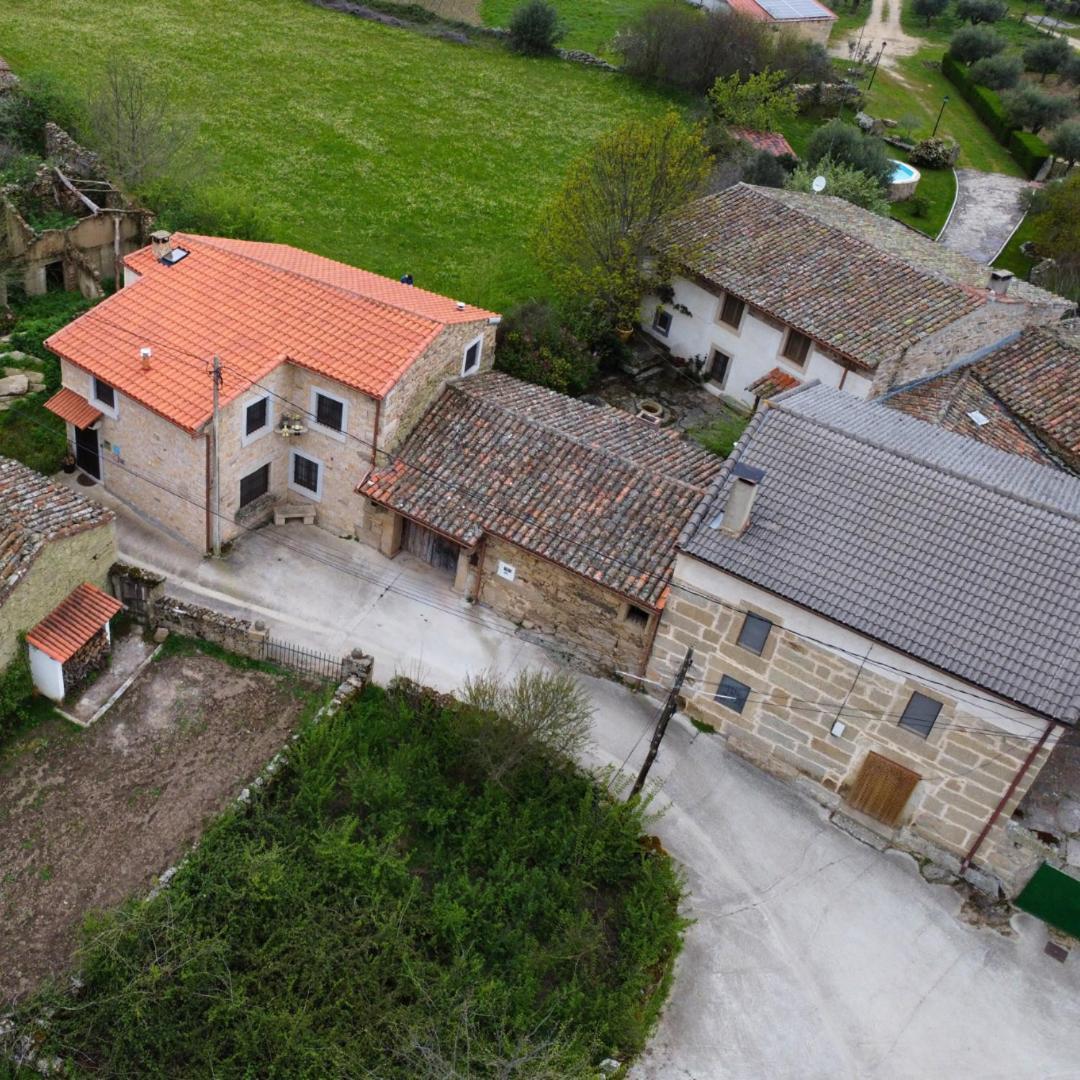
{"x": 375, "y": 432}
{"x": 1020, "y": 773}
{"x": 209, "y": 485}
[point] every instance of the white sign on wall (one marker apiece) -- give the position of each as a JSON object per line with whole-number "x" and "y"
{"x": 506, "y": 571}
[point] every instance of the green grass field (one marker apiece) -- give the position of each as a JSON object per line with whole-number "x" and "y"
{"x": 1011, "y": 257}
{"x": 590, "y": 26}
{"x": 1016, "y": 32}
{"x": 377, "y": 146}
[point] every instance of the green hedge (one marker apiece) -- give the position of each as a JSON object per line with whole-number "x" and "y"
{"x": 1029, "y": 150}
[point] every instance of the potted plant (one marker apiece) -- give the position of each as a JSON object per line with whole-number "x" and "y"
{"x": 67, "y": 462}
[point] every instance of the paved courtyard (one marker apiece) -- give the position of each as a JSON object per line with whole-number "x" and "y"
{"x": 810, "y": 956}
{"x": 987, "y": 211}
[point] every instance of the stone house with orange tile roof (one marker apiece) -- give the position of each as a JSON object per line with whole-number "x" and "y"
{"x": 322, "y": 366}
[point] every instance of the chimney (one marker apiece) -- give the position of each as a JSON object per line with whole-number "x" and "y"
{"x": 1000, "y": 281}
{"x": 161, "y": 244}
{"x": 736, "y": 516}
{"x": 144, "y": 357}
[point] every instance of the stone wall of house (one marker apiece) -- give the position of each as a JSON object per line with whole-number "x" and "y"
{"x": 59, "y": 568}
{"x": 419, "y": 387}
{"x": 987, "y": 324}
{"x": 590, "y": 620}
{"x": 797, "y": 690}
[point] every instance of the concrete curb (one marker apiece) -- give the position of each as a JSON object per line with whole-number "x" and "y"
{"x": 952, "y": 209}
{"x": 1008, "y": 239}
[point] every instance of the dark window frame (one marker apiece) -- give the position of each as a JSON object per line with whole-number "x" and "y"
{"x": 332, "y": 403}
{"x": 801, "y": 353}
{"x": 713, "y": 357}
{"x": 732, "y": 694}
{"x": 920, "y": 714}
{"x": 658, "y": 314}
{"x": 301, "y": 461}
{"x": 108, "y": 399}
{"x": 740, "y": 310}
{"x": 264, "y": 403}
{"x": 246, "y": 495}
{"x": 750, "y": 628}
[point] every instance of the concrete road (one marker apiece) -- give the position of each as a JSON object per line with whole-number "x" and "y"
{"x": 987, "y": 212}
{"x": 810, "y": 956}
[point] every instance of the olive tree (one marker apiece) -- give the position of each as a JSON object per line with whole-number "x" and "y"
{"x": 1047, "y": 56}
{"x": 1032, "y": 109}
{"x": 971, "y": 43}
{"x": 981, "y": 11}
{"x": 1065, "y": 142}
{"x": 999, "y": 72}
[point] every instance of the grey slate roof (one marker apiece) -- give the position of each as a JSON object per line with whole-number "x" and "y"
{"x": 951, "y": 551}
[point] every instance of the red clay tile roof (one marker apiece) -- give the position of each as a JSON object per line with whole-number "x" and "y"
{"x": 254, "y": 305}
{"x": 858, "y": 300}
{"x": 33, "y": 511}
{"x": 1028, "y": 389}
{"x": 773, "y": 383}
{"x": 588, "y": 487}
{"x": 70, "y": 625}
{"x": 770, "y": 141}
{"x": 72, "y": 408}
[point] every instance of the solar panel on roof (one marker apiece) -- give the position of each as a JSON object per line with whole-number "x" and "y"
{"x": 793, "y": 9}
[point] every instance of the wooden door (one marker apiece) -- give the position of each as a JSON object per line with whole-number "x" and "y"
{"x": 429, "y": 546}
{"x": 882, "y": 789}
{"x": 86, "y": 452}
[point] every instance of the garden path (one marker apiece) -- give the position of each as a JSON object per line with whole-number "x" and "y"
{"x": 987, "y": 211}
{"x": 883, "y": 25}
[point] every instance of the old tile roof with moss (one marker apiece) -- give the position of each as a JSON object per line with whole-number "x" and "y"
{"x": 772, "y": 383}
{"x": 35, "y": 510}
{"x": 1027, "y": 387}
{"x": 591, "y": 488}
{"x": 839, "y": 274}
{"x": 772, "y": 142}
{"x": 256, "y": 306}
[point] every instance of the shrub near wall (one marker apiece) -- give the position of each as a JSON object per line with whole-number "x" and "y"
{"x": 1029, "y": 150}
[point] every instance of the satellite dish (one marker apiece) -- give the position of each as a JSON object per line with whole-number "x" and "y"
{"x": 819, "y": 184}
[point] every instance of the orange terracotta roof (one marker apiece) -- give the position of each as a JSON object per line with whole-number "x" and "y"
{"x": 72, "y": 408}
{"x": 70, "y": 625}
{"x": 254, "y": 305}
{"x": 773, "y": 383}
{"x": 772, "y": 142}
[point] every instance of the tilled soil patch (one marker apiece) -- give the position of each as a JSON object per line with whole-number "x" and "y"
{"x": 89, "y": 817}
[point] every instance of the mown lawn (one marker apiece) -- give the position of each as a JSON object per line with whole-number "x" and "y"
{"x": 913, "y": 96}
{"x": 1012, "y": 28}
{"x": 392, "y": 907}
{"x": 1011, "y": 257}
{"x": 590, "y": 25}
{"x": 938, "y": 188}
{"x": 377, "y": 146}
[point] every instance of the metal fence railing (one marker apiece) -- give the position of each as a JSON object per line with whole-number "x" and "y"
{"x": 304, "y": 661}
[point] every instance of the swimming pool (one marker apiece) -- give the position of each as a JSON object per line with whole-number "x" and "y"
{"x": 902, "y": 181}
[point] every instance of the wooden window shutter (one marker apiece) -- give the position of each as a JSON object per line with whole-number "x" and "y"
{"x": 882, "y": 789}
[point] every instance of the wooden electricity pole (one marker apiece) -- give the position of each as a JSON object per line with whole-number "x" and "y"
{"x": 216, "y": 464}
{"x": 662, "y": 720}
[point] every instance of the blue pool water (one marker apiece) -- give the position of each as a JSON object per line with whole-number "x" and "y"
{"x": 902, "y": 172}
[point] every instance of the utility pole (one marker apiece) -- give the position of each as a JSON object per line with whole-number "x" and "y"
{"x": 216, "y": 464}
{"x": 662, "y": 720}
{"x": 873, "y": 74}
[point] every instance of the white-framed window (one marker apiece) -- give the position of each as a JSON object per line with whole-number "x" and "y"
{"x": 256, "y": 419}
{"x": 329, "y": 413}
{"x": 104, "y": 396}
{"x": 470, "y": 358}
{"x": 305, "y": 475}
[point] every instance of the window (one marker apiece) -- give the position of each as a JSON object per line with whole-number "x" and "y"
{"x": 472, "y": 357}
{"x": 719, "y": 363}
{"x": 661, "y": 321}
{"x": 254, "y": 484}
{"x": 731, "y": 311}
{"x": 732, "y": 694}
{"x": 329, "y": 413}
{"x": 305, "y": 475}
{"x": 920, "y": 714}
{"x": 105, "y": 396}
{"x": 754, "y": 633}
{"x": 636, "y": 615}
{"x": 256, "y": 419}
{"x": 796, "y": 348}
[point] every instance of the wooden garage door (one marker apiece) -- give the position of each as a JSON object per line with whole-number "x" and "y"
{"x": 882, "y": 788}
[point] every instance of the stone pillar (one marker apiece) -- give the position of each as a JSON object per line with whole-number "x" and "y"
{"x": 390, "y": 538}
{"x": 463, "y": 572}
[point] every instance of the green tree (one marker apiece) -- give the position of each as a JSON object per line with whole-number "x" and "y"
{"x": 981, "y": 11}
{"x": 929, "y": 9}
{"x": 1047, "y": 56}
{"x": 1032, "y": 109}
{"x": 971, "y": 43}
{"x": 843, "y": 182}
{"x": 534, "y": 343}
{"x": 1065, "y": 142}
{"x": 595, "y": 233}
{"x": 535, "y": 28}
{"x": 999, "y": 72}
{"x": 761, "y": 102}
{"x": 845, "y": 144}
{"x": 1057, "y": 222}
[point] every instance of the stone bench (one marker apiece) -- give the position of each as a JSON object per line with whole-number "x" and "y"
{"x": 304, "y": 512}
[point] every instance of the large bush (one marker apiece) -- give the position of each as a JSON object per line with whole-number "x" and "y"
{"x": 760, "y": 102}
{"x": 1065, "y": 142}
{"x": 535, "y": 28}
{"x": 16, "y": 693}
{"x": 845, "y": 144}
{"x": 534, "y": 343}
{"x": 1031, "y": 109}
{"x": 983, "y": 100}
{"x": 981, "y": 11}
{"x": 843, "y": 182}
{"x": 934, "y": 153}
{"x": 971, "y": 43}
{"x": 387, "y": 909}
{"x": 929, "y": 9}
{"x": 1001, "y": 72}
{"x": 1029, "y": 150}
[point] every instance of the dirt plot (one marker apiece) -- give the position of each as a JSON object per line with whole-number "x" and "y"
{"x": 89, "y": 817}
